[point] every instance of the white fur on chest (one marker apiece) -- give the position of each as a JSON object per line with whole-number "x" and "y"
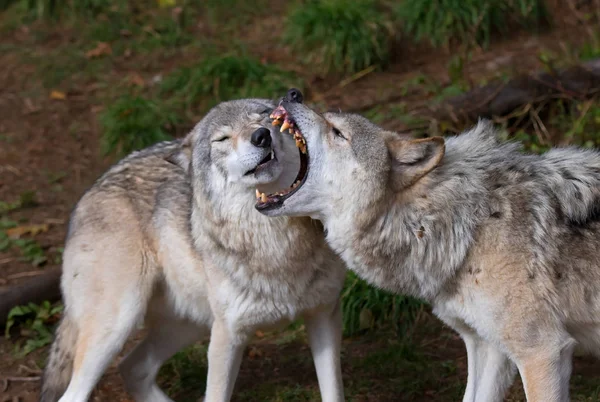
{"x": 469, "y": 313}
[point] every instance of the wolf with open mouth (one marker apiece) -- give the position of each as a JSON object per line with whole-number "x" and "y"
{"x": 502, "y": 243}
{"x": 169, "y": 236}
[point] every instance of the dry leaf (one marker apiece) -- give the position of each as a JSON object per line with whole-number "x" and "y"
{"x": 19, "y": 231}
{"x": 254, "y": 352}
{"x": 137, "y": 79}
{"x": 58, "y": 95}
{"x": 101, "y": 49}
{"x": 166, "y": 3}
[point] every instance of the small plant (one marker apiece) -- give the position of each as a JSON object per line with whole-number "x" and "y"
{"x": 133, "y": 123}
{"x": 468, "y": 21}
{"x": 365, "y": 307}
{"x": 30, "y": 250}
{"x": 338, "y": 35}
{"x": 34, "y": 321}
{"x": 26, "y": 199}
{"x": 220, "y": 78}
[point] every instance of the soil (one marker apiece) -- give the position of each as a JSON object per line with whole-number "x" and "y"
{"x": 51, "y": 147}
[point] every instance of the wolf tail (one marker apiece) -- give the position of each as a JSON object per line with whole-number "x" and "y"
{"x": 59, "y": 369}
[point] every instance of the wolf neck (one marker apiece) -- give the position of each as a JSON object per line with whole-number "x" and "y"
{"x": 415, "y": 243}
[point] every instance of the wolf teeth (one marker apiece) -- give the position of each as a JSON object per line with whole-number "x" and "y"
{"x": 276, "y": 122}
{"x": 284, "y": 126}
{"x": 263, "y": 197}
{"x": 257, "y": 194}
{"x": 272, "y": 154}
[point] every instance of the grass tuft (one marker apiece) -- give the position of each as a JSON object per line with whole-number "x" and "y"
{"x": 466, "y": 21}
{"x": 133, "y": 123}
{"x": 338, "y": 35}
{"x": 365, "y": 308}
{"x": 221, "y": 78}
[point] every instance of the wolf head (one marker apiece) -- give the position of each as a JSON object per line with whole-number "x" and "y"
{"x": 352, "y": 163}
{"x": 236, "y": 146}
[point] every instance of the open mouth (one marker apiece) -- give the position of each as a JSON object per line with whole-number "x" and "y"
{"x": 274, "y": 200}
{"x": 263, "y": 163}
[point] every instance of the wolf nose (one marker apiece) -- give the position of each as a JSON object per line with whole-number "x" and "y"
{"x": 261, "y": 138}
{"x": 294, "y": 95}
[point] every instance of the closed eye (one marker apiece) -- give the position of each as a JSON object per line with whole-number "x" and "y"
{"x": 337, "y": 132}
{"x": 222, "y": 139}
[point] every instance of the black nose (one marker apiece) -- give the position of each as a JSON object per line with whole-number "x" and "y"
{"x": 261, "y": 138}
{"x": 294, "y": 95}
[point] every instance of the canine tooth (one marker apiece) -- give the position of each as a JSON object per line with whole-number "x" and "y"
{"x": 295, "y": 185}
{"x": 284, "y": 126}
{"x": 263, "y": 197}
{"x": 276, "y": 122}
{"x": 257, "y": 194}
{"x": 272, "y": 154}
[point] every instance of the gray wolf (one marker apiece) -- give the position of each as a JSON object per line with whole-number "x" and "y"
{"x": 502, "y": 243}
{"x": 169, "y": 237}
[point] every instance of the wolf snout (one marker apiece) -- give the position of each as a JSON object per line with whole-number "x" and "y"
{"x": 261, "y": 138}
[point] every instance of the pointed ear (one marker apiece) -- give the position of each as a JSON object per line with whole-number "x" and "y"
{"x": 413, "y": 159}
{"x": 182, "y": 157}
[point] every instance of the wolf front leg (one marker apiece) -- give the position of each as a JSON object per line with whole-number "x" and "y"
{"x": 224, "y": 359}
{"x": 490, "y": 372}
{"x": 546, "y": 371}
{"x": 324, "y": 327}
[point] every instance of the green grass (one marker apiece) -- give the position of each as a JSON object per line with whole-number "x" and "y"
{"x": 134, "y": 122}
{"x": 229, "y": 14}
{"x": 366, "y": 308}
{"x": 338, "y": 35}
{"x": 223, "y": 77}
{"x": 185, "y": 373}
{"x": 466, "y": 21}
{"x": 59, "y": 8}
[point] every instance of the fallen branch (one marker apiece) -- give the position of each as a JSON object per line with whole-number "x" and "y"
{"x": 498, "y": 99}
{"x": 45, "y": 286}
{"x": 7, "y": 380}
{"x": 501, "y": 98}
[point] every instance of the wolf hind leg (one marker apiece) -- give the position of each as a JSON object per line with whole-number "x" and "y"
{"x": 102, "y": 335}
{"x": 166, "y": 335}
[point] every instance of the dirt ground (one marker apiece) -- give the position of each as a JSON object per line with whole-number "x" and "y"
{"x": 49, "y": 147}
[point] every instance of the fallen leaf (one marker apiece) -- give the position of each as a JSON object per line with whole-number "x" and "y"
{"x": 58, "y": 95}
{"x": 259, "y": 334}
{"x": 166, "y": 3}
{"x": 31, "y": 108}
{"x": 17, "y": 232}
{"x": 254, "y": 352}
{"x": 101, "y": 49}
{"x": 137, "y": 79}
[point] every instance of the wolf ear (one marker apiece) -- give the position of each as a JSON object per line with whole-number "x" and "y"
{"x": 182, "y": 157}
{"x": 413, "y": 159}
